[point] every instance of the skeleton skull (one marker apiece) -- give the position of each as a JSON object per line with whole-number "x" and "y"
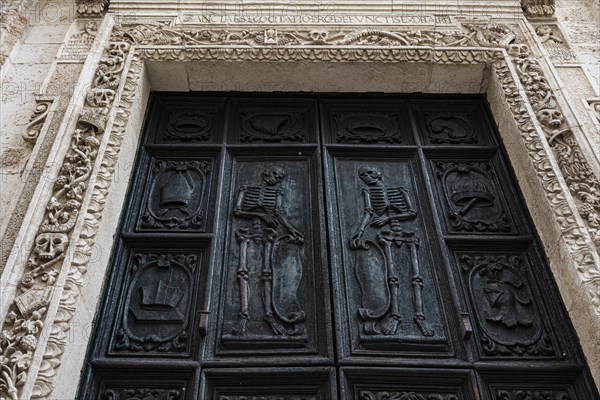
{"x": 518, "y": 50}
{"x": 273, "y": 175}
{"x": 550, "y": 118}
{"x": 318, "y": 36}
{"x": 369, "y": 175}
{"x": 49, "y": 245}
{"x": 100, "y": 97}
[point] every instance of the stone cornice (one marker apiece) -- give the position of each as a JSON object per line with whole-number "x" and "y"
{"x": 76, "y": 206}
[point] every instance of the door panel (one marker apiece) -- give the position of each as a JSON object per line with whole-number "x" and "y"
{"x": 386, "y": 270}
{"x": 362, "y": 247}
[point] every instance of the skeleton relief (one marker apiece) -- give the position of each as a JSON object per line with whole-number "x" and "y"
{"x": 269, "y": 252}
{"x": 385, "y": 209}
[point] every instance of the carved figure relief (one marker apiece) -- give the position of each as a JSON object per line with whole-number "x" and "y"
{"x": 377, "y": 265}
{"x": 189, "y": 126}
{"x": 366, "y": 127}
{"x": 157, "y": 307}
{"x": 269, "y": 243}
{"x": 505, "y": 307}
{"x": 393, "y": 395}
{"x": 453, "y": 128}
{"x": 272, "y": 127}
{"x": 472, "y": 197}
{"x": 176, "y": 195}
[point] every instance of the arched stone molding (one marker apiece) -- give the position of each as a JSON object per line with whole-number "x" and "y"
{"x": 554, "y": 171}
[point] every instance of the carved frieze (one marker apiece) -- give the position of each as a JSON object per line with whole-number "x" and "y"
{"x": 176, "y": 195}
{"x": 156, "y": 314}
{"x": 505, "y": 307}
{"x": 472, "y": 199}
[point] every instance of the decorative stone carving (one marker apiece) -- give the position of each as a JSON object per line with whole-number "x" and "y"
{"x": 473, "y": 201}
{"x": 91, "y": 8}
{"x": 595, "y": 106}
{"x": 78, "y": 46}
{"x": 538, "y": 8}
{"x": 194, "y": 44}
{"x": 554, "y": 42}
{"x": 504, "y": 306}
{"x": 392, "y": 395}
{"x": 274, "y": 240}
{"x": 386, "y": 207}
{"x": 37, "y": 119}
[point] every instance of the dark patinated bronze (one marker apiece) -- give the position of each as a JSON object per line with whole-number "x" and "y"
{"x": 368, "y": 247}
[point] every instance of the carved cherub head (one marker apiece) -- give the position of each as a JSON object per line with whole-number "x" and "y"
{"x": 273, "y": 175}
{"x": 369, "y": 175}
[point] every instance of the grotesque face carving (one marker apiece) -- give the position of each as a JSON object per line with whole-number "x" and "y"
{"x": 550, "y": 118}
{"x": 273, "y": 175}
{"x": 369, "y": 175}
{"x": 50, "y": 245}
{"x": 319, "y": 36}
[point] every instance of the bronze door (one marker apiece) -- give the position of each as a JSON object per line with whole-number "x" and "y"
{"x": 328, "y": 247}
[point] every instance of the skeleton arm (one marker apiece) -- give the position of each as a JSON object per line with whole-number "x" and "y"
{"x": 356, "y": 242}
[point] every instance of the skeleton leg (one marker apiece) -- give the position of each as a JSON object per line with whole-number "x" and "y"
{"x": 267, "y": 295}
{"x": 392, "y": 320}
{"x": 417, "y": 284}
{"x": 242, "y": 277}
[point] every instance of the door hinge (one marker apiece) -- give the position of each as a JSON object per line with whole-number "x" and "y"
{"x": 203, "y": 324}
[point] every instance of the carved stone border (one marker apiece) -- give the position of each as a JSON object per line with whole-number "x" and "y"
{"x": 28, "y": 359}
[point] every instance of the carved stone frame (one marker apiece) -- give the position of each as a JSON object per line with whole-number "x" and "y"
{"x": 561, "y": 188}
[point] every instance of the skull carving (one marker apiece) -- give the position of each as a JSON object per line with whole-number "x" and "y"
{"x": 49, "y": 245}
{"x": 273, "y": 175}
{"x": 369, "y": 175}
{"x": 550, "y": 118}
{"x": 516, "y": 50}
{"x": 100, "y": 97}
{"x": 318, "y": 36}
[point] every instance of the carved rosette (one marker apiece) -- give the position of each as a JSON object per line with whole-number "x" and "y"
{"x": 25, "y": 320}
